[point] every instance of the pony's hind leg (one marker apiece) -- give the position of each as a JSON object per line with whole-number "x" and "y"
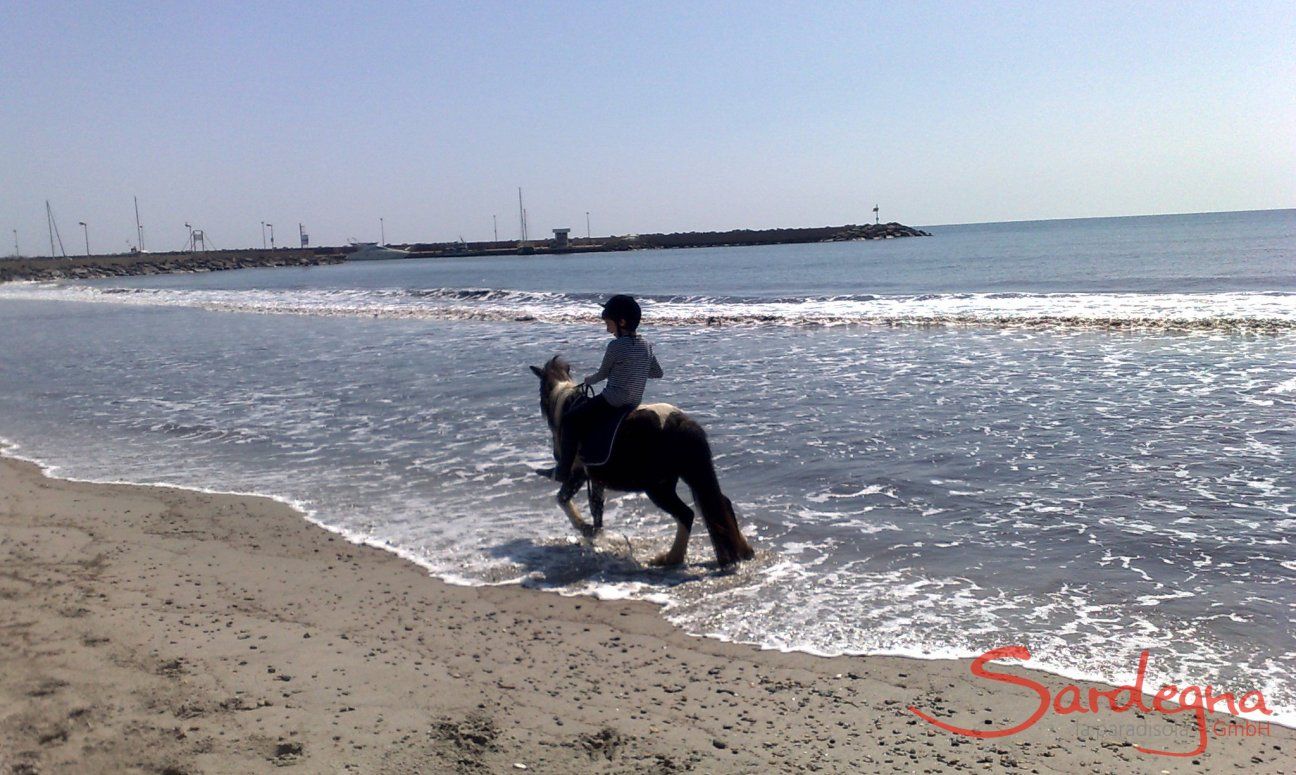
{"x": 565, "y": 495}
{"x": 664, "y": 497}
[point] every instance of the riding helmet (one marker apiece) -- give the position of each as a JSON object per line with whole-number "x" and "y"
{"x": 622, "y": 307}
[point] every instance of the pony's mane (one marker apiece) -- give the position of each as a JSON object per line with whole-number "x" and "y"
{"x": 557, "y": 369}
{"x": 553, "y": 374}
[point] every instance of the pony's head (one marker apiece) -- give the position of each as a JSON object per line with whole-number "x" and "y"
{"x": 555, "y": 388}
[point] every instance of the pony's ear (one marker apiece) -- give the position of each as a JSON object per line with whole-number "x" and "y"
{"x": 537, "y": 371}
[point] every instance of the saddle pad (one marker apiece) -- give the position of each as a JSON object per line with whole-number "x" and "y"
{"x": 597, "y": 446}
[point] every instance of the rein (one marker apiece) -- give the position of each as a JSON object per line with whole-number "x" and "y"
{"x": 579, "y": 395}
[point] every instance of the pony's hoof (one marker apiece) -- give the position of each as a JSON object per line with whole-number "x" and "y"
{"x": 587, "y": 531}
{"x": 665, "y": 560}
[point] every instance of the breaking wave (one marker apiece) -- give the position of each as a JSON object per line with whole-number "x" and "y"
{"x": 1226, "y": 311}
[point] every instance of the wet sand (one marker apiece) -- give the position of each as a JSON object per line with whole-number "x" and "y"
{"x": 161, "y": 630}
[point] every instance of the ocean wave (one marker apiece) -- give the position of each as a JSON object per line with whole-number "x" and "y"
{"x": 1233, "y": 311}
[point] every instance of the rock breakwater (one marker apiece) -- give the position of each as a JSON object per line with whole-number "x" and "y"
{"x": 85, "y": 268}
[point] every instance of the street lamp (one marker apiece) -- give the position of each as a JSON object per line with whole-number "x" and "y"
{"x": 86, "y": 231}
{"x": 17, "y": 254}
{"x": 263, "y": 242}
{"x": 382, "y": 227}
{"x": 587, "y": 228}
{"x": 271, "y": 227}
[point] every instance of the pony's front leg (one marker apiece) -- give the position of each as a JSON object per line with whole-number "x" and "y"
{"x": 596, "y": 503}
{"x": 565, "y": 495}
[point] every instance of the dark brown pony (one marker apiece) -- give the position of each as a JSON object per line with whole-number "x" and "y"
{"x": 656, "y": 446}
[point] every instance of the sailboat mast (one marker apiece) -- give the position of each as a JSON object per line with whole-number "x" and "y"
{"x": 54, "y": 231}
{"x": 521, "y": 218}
{"x": 139, "y": 230}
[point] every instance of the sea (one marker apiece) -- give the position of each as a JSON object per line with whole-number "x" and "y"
{"x": 1078, "y": 436}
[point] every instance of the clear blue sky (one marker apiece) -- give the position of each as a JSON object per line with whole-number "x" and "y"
{"x": 652, "y": 116}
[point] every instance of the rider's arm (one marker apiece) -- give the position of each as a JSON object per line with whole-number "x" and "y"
{"x": 609, "y": 358}
{"x": 654, "y": 368}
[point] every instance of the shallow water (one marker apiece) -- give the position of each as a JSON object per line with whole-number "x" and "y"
{"x": 936, "y": 450}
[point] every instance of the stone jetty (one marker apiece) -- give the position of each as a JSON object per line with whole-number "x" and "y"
{"x": 130, "y": 264}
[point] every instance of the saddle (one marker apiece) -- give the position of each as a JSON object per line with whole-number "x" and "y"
{"x": 596, "y": 447}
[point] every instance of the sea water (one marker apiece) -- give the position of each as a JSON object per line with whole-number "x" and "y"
{"x": 1076, "y": 436}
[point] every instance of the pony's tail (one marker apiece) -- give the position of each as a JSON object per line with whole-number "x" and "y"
{"x": 698, "y": 472}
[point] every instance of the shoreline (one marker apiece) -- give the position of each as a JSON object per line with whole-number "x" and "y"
{"x": 291, "y": 645}
{"x": 8, "y": 451}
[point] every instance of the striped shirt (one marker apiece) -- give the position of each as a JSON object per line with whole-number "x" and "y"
{"x": 628, "y": 363}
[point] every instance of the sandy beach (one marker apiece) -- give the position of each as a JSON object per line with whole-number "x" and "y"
{"x": 160, "y": 630}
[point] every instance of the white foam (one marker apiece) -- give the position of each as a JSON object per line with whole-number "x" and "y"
{"x": 1170, "y": 311}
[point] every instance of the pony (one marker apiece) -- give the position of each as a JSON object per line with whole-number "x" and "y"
{"x": 656, "y": 446}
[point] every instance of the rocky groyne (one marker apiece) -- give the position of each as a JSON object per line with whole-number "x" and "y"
{"x": 132, "y": 264}
{"x": 711, "y": 239}
{"x": 688, "y": 239}
{"x": 876, "y": 231}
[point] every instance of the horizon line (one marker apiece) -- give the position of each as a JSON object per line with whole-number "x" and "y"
{"x": 1108, "y": 217}
{"x": 774, "y": 228}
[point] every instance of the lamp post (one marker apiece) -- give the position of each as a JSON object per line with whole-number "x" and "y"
{"x": 270, "y": 226}
{"x": 382, "y": 230}
{"x": 587, "y": 228}
{"x": 17, "y": 253}
{"x": 263, "y": 241}
{"x": 86, "y": 231}
{"x": 495, "y": 224}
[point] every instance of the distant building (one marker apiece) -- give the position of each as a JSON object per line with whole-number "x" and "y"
{"x": 561, "y": 238}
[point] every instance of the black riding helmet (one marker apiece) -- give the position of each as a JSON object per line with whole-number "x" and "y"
{"x": 622, "y": 307}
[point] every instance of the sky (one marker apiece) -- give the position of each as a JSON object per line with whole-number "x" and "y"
{"x": 652, "y": 116}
